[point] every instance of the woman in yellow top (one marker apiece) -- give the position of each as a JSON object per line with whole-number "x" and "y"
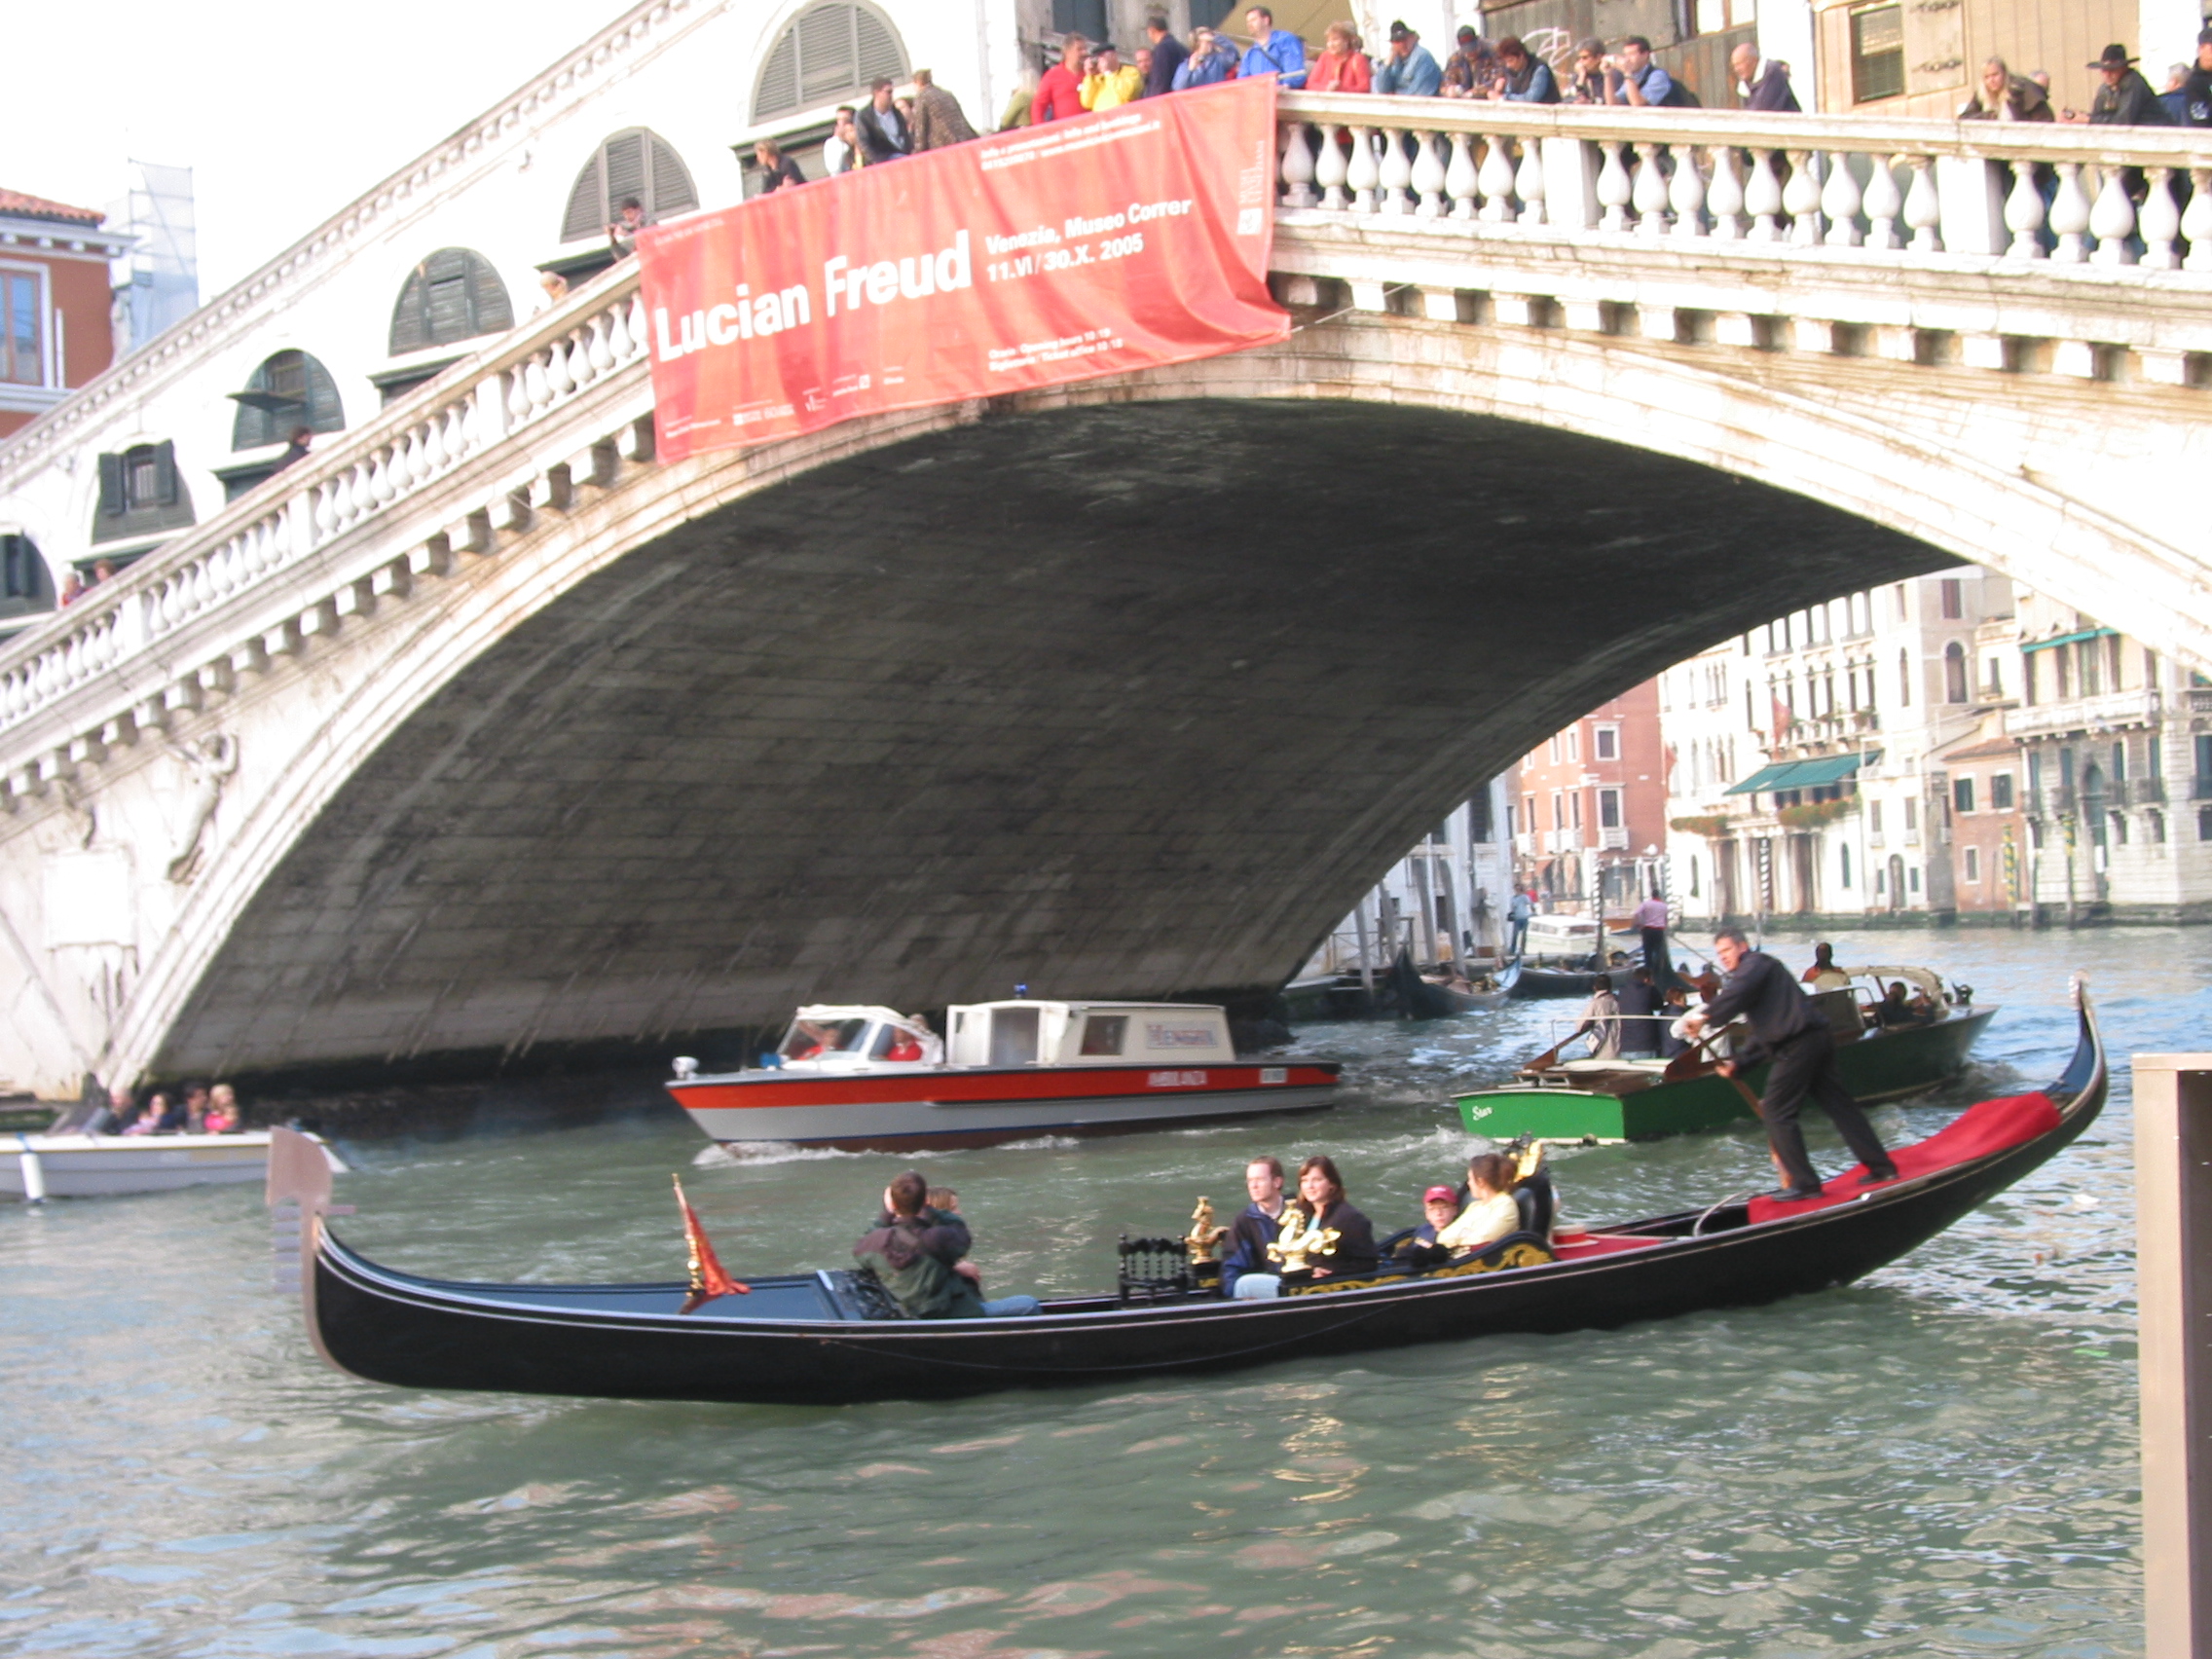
{"x": 1112, "y": 83}
{"x": 1491, "y": 1212}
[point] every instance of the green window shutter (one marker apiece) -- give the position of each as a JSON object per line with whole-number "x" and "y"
{"x": 672, "y": 192}
{"x": 112, "y": 499}
{"x": 166, "y": 491}
{"x": 586, "y": 217}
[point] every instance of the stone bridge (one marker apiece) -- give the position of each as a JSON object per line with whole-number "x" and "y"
{"x": 483, "y": 729}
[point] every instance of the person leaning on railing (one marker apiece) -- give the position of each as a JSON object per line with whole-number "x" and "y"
{"x": 1523, "y": 77}
{"x": 1342, "y": 66}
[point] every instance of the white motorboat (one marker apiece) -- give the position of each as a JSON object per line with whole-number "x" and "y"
{"x": 38, "y": 1167}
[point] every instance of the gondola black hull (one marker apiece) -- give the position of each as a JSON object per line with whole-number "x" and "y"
{"x": 628, "y": 1342}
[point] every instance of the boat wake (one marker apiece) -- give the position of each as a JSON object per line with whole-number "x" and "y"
{"x": 754, "y": 1152}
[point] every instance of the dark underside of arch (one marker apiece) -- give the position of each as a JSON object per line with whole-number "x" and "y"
{"x": 1114, "y": 701}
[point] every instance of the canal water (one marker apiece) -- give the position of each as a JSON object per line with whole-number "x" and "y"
{"x": 1940, "y": 1459}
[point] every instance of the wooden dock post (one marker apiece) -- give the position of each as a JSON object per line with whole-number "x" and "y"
{"x": 2173, "y": 1229}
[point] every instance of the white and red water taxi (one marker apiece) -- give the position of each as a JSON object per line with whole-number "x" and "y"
{"x": 864, "y": 1077}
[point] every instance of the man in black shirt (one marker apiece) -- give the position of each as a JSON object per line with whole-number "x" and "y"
{"x": 1789, "y": 1029}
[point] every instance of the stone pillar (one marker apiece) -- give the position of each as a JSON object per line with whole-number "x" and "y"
{"x": 1571, "y": 184}
{"x": 1972, "y": 191}
{"x": 2173, "y": 1223}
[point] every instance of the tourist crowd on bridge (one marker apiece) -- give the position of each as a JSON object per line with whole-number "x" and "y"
{"x": 1086, "y": 76}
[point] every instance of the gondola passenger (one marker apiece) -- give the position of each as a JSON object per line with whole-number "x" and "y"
{"x": 1490, "y": 1213}
{"x": 1257, "y": 1226}
{"x": 1322, "y": 1204}
{"x": 916, "y": 1251}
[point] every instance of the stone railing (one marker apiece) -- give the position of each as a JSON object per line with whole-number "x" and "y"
{"x": 456, "y": 420}
{"x": 2105, "y": 712}
{"x": 1907, "y": 189}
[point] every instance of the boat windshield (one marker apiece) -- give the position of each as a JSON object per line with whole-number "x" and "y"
{"x": 811, "y": 1039}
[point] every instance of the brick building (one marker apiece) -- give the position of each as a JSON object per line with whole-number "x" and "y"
{"x": 1590, "y": 807}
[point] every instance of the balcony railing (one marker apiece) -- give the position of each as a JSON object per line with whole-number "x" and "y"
{"x": 1613, "y": 841}
{"x": 2103, "y": 713}
{"x": 2145, "y": 792}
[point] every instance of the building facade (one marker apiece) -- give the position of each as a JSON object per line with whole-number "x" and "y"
{"x": 54, "y": 302}
{"x": 1449, "y": 890}
{"x": 1590, "y": 808}
{"x": 2116, "y": 773}
{"x": 1806, "y": 772}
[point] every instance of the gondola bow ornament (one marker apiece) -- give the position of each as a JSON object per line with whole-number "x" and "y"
{"x": 709, "y": 1280}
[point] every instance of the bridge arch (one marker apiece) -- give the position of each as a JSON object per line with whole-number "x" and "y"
{"x": 1356, "y": 515}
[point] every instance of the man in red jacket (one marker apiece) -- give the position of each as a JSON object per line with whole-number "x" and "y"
{"x": 1059, "y": 93}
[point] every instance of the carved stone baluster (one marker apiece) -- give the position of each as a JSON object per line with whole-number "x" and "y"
{"x": 533, "y": 388}
{"x": 435, "y": 456}
{"x": 1685, "y": 195}
{"x": 1762, "y": 199}
{"x": 620, "y": 340}
{"x": 361, "y": 494}
{"x": 601, "y": 355}
{"x": 1528, "y": 181}
{"x": 633, "y": 313}
{"x": 558, "y": 379}
{"x": 2023, "y": 215}
{"x": 1725, "y": 198}
{"x": 1840, "y": 201}
{"x": 1884, "y": 201}
{"x": 1328, "y": 169}
{"x": 326, "y": 518}
{"x": 1923, "y": 207}
{"x": 2197, "y": 220}
{"x": 1361, "y": 173}
{"x": 2161, "y": 222}
{"x": 381, "y": 486}
{"x": 2069, "y": 212}
{"x": 1297, "y": 167}
{"x": 1397, "y": 172}
{"x": 1429, "y": 176}
{"x": 2112, "y": 221}
{"x": 1801, "y": 200}
{"x": 1461, "y": 178}
{"x": 1650, "y": 193}
{"x": 1497, "y": 180}
{"x": 520, "y": 401}
{"x": 1615, "y": 190}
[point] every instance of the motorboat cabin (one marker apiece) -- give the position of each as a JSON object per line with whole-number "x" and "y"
{"x": 861, "y": 1075}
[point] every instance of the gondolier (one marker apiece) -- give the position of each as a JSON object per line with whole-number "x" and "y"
{"x": 1790, "y": 1028}
{"x": 1651, "y": 918}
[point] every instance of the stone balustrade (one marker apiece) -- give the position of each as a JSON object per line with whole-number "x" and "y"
{"x": 461, "y": 419}
{"x": 1901, "y": 191}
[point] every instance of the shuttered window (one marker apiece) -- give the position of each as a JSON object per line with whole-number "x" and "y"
{"x": 288, "y": 392}
{"x": 22, "y": 334}
{"x": 140, "y": 492}
{"x": 827, "y": 55}
{"x": 637, "y": 162}
{"x": 452, "y": 295}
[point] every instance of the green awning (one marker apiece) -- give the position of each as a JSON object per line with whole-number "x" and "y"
{"x": 2068, "y": 639}
{"x": 1802, "y": 774}
{"x": 1764, "y": 779}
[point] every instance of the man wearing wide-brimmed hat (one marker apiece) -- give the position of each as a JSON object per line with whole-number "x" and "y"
{"x": 2127, "y": 98}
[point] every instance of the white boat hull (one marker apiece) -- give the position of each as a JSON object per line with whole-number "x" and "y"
{"x": 96, "y": 1166}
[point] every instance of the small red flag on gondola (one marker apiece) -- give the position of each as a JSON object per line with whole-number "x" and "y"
{"x": 708, "y": 1279}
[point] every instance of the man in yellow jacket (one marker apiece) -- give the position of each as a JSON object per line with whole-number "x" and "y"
{"x": 1113, "y": 83}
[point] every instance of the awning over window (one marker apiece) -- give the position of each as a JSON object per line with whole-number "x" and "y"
{"x": 2068, "y": 639}
{"x": 1802, "y": 774}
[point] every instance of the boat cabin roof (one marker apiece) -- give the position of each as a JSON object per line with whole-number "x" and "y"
{"x": 1563, "y": 924}
{"x": 1106, "y": 1006}
{"x": 859, "y": 1011}
{"x": 1920, "y": 979}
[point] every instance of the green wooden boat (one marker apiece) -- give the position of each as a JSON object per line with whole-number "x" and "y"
{"x": 1630, "y": 1099}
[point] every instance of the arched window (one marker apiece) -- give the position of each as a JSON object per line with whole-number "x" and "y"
{"x": 826, "y": 53}
{"x": 452, "y": 295}
{"x": 288, "y": 392}
{"x": 636, "y": 163}
{"x": 1954, "y": 672}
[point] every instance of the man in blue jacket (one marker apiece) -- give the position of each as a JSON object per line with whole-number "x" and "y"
{"x": 1408, "y": 70}
{"x": 1273, "y": 52}
{"x": 1257, "y": 1226}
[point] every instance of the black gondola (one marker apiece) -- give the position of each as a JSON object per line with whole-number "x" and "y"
{"x": 1538, "y": 983}
{"x": 831, "y": 1338}
{"x": 1417, "y": 997}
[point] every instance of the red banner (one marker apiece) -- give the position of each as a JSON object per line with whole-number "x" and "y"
{"x": 1119, "y": 241}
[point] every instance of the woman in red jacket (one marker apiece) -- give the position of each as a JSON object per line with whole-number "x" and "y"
{"x": 1342, "y": 67}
